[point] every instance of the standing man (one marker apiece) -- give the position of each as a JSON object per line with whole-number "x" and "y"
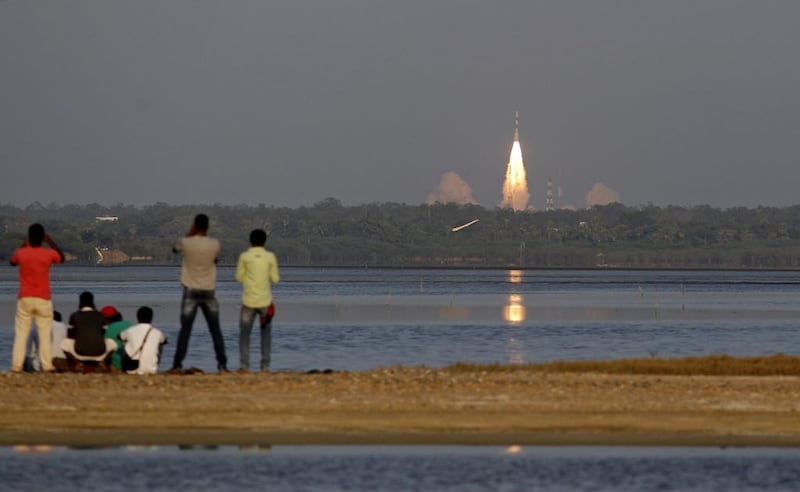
{"x": 256, "y": 270}
{"x": 199, "y": 278}
{"x": 33, "y": 302}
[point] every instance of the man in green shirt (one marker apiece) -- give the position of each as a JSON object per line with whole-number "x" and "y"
{"x": 116, "y": 325}
{"x": 256, "y": 270}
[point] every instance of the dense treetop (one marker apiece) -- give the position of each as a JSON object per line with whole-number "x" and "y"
{"x": 400, "y": 235}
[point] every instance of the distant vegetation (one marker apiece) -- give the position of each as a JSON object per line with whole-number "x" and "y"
{"x": 400, "y": 235}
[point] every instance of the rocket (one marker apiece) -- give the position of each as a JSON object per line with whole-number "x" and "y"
{"x": 516, "y": 126}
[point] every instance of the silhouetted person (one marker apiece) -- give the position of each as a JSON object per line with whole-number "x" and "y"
{"x": 34, "y": 303}
{"x": 143, "y": 343}
{"x": 199, "y": 279}
{"x": 256, "y": 270}
{"x": 86, "y": 340}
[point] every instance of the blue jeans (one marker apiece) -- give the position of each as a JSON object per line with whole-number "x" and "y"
{"x": 205, "y": 300}
{"x": 246, "y": 318}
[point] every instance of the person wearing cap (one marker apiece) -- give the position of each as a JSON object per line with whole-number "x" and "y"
{"x": 86, "y": 342}
{"x": 34, "y": 303}
{"x": 115, "y": 326}
{"x": 256, "y": 270}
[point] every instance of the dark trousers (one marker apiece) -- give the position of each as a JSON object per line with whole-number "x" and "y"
{"x": 205, "y": 300}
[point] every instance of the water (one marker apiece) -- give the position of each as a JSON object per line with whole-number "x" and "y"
{"x": 350, "y": 319}
{"x": 461, "y": 468}
{"x": 353, "y": 319}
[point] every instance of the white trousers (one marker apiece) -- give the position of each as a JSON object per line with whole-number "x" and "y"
{"x": 40, "y": 311}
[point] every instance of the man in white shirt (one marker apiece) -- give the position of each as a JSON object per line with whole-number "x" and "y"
{"x": 143, "y": 342}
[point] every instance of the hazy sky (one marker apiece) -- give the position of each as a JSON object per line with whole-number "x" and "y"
{"x": 683, "y": 102}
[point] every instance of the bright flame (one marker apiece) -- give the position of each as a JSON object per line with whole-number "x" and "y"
{"x": 514, "y": 311}
{"x": 515, "y": 187}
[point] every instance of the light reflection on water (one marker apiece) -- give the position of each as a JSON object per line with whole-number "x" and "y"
{"x": 353, "y": 319}
{"x": 514, "y": 311}
{"x": 575, "y": 468}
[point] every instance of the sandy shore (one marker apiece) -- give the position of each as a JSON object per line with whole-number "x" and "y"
{"x": 400, "y": 406}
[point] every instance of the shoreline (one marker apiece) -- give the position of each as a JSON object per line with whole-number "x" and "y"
{"x": 593, "y": 268}
{"x": 102, "y": 438}
{"x": 400, "y": 406}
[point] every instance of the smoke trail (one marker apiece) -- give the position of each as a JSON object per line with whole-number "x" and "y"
{"x": 601, "y": 194}
{"x": 452, "y": 189}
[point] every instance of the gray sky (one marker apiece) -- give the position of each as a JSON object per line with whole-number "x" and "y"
{"x": 683, "y": 102}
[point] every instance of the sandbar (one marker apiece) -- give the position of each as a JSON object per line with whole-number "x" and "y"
{"x": 400, "y": 406}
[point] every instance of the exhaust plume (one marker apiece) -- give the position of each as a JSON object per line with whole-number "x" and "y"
{"x": 601, "y": 194}
{"x": 452, "y": 189}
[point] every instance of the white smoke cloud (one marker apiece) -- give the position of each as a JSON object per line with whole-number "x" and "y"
{"x": 601, "y": 194}
{"x": 452, "y": 189}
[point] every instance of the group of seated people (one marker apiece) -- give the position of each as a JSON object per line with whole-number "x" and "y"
{"x": 101, "y": 341}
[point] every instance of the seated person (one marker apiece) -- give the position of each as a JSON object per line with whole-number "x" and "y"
{"x": 116, "y": 325}
{"x": 59, "y": 333}
{"x": 60, "y": 362}
{"x": 143, "y": 342}
{"x": 86, "y": 341}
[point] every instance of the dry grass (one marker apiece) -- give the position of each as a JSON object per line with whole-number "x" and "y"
{"x": 710, "y": 365}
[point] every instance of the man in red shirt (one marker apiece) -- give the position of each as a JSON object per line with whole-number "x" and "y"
{"x": 34, "y": 302}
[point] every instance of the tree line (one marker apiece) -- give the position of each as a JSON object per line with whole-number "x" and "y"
{"x": 401, "y": 235}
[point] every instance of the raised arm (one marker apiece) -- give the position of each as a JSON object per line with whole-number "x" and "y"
{"x": 54, "y": 246}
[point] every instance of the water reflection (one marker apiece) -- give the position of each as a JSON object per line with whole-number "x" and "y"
{"x": 243, "y": 448}
{"x": 39, "y": 448}
{"x": 515, "y": 347}
{"x": 44, "y": 448}
{"x": 515, "y": 276}
{"x": 454, "y": 313}
{"x": 260, "y": 448}
{"x": 514, "y": 449}
{"x": 514, "y": 311}
{"x": 420, "y": 467}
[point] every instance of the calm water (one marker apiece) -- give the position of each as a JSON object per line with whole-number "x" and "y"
{"x": 349, "y": 319}
{"x": 341, "y": 468}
